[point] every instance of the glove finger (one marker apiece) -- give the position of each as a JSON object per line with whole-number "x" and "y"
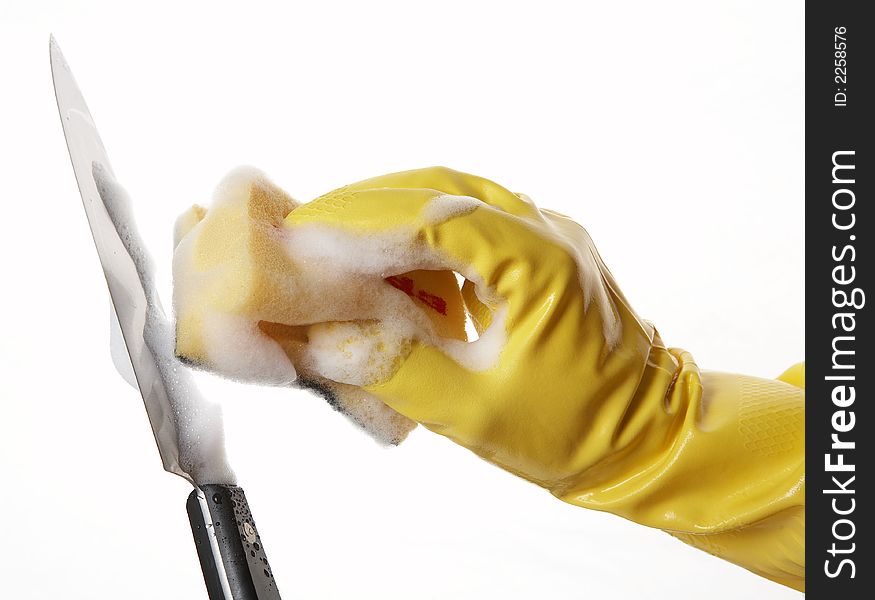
{"x": 455, "y": 183}
{"x": 481, "y": 315}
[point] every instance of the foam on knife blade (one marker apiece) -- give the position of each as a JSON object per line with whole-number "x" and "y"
{"x": 199, "y": 428}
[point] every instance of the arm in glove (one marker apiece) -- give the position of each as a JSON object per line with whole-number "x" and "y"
{"x": 568, "y": 387}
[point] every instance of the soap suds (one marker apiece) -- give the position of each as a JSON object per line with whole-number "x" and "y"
{"x": 482, "y": 354}
{"x": 358, "y": 353}
{"x": 590, "y": 270}
{"x": 239, "y": 350}
{"x": 198, "y": 423}
{"x": 445, "y": 207}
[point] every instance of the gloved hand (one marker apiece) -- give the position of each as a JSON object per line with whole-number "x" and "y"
{"x": 568, "y": 387}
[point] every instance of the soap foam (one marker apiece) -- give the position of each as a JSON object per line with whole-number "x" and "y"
{"x": 198, "y": 423}
{"x": 239, "y": 350}
{"x": 355, "y": 352}
{"x": 590, "y": 271}
{"x": 445, "y": 207}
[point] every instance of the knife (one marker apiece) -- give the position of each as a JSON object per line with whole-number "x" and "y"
{"x": 187, "y": 430}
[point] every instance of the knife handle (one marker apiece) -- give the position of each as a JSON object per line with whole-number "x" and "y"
{"x": 230, "y": 550}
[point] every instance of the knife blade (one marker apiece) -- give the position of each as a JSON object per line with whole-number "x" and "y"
{"x": 187, "y": 430}
{"x": 128, "y": 272}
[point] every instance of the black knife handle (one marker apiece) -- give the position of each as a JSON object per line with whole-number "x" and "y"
{"x": 228, "y": 545}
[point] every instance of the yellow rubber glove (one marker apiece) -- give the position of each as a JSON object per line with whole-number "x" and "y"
{"x": 581, "y": 396}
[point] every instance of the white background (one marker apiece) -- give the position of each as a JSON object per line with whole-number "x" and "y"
{"x": 672, "y": 130}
